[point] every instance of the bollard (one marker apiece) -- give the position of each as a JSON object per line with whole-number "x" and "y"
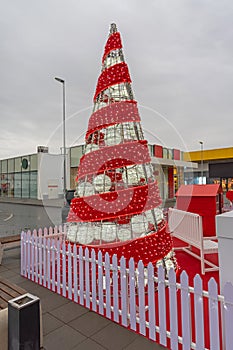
{"x": 24, "y": 323}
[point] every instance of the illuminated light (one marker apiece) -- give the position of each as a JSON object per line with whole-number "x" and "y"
{"x": 124, "y": 202}
{"x": 124, "y": 233}
{"x": 72, "y": 229}
{"x": 109, "y": 232}
{"x": 133, "y": 174}
{"x": 139, "y": 224}
{"x": 102, "y": 183}
{"x": 91, "y": 147}
{"x": 85, "y": 189}
{"x": 113, "y": 136}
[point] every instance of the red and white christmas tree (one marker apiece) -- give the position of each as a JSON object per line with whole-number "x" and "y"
{"x": 116, "y": 208}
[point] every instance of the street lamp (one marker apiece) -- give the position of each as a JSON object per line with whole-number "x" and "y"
{"x": 64, "y": 134}
{"x": 201, "y": 143}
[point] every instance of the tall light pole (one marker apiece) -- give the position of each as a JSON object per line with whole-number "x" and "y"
{"x": 201, "y": 143}
{"x": 62, "y": 81}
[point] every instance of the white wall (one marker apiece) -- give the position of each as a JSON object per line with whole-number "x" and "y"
{"x": 224, "y": 228}
{"x": 50, "y": 175}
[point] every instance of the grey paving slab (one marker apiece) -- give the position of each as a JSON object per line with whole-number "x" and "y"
{"x": 34, "y": 288}
{"x": 89, "y": 344}
{"x": 7, "y": 274}
{"x": 142, "y": 343}
{"x": 3, "y": 268}
{"x": 17, "y": 279}
{"x": 50, "y": 323}
{"x": 52, "y": 301}
{"x": 90, "y": 323}
{"x": 69, "y": 312}
{"x": 63, "y": 338}
{"x": 114, "y": 336}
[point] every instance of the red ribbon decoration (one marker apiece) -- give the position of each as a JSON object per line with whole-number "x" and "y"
{"x": 113, "y": 43}
{"x": 149, "y": 248}
{"x": 113, "y": 75}
{"x": 130, "y": 201}
{"x": 112, "y": 157}
{"x": 115, "y": 113}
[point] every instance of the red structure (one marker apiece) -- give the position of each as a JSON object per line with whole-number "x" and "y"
{"x": 117, "y": 206}
{"x": 205, "y": 200}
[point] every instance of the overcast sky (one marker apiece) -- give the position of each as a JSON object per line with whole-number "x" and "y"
{"x": 179, "y": 53}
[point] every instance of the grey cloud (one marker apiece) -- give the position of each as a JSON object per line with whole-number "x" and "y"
{"x": 179, "y": 55}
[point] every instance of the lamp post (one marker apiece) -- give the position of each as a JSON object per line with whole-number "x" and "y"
{"x": 62, "y": 81}
{"x": 201, "y": 143}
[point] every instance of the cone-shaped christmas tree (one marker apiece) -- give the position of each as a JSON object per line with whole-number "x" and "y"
{"x": 116, "y": 205}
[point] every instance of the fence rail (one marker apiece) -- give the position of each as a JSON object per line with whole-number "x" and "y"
{"x": 173, "y": 314}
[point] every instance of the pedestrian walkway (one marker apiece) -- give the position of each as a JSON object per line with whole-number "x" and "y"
{"x": 59, "y": 202}
{"x": 69, "y": 326}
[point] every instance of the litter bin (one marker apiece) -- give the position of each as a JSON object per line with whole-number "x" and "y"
{"x": 24, "y": 323}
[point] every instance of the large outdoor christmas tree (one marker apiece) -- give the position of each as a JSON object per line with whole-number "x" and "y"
{"x": 116, "y": 207}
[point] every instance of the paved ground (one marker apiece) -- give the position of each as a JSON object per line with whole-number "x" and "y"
{"x": 28, "y": 214}
{"x": 67, "y": 325}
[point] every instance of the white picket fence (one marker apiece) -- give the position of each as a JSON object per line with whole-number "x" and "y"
{"x": 134, "y": 296}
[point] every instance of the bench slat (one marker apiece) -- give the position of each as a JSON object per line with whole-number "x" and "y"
{"x": 7, "y": 239}
{"x": 8, "y": 291}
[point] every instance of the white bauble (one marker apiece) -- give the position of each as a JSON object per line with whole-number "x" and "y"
{"x": 149, "y": 216}
{"x": 112, "y": 136}
{"x": 96, "y": 230}
{"x": 72, "y": 232}
{"x": 102, "y": 183}
{"x": 108, "y": 232}
{"x": 132, "y": 174}
{"x": 139, "y": 224}
{"x": 84, "y": 235}
{"x": 91, "y": 147}
{"x": 124, "y": 234}
{"x": 158, "y": 215}
{"x": 129, "y": 132}
{"x": 149, "y": 170}
{"x": 85, "y": 189}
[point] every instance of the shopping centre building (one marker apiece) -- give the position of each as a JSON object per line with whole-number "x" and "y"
{"x": 214, "y": 166}
{"x": 40, "y": 175}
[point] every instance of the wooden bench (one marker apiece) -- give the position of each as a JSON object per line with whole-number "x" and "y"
{"x": 8, "y": 291}
{"x": 8, "y": 242}
{"x": 188, "y": 228}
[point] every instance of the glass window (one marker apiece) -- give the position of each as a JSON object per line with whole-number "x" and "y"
{"x": 4, "y": 166}
{"x": 10, "y": 185}
{"x": 25, "y": 185}
{"x": 165, "y": 153}
{"x": 18, "y": 164}
{"x": 33, "y": 184}
{"x": 11, "y": 165}
{"x": 4, "y": 185}
{"x": 17, "y": 185}
{"x": 75, "y": 155}
{"x": 169, "y": 153}
{"x": 33, "y": 162}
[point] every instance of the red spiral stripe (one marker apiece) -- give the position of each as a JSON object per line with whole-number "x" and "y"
{"x": 113, "y": 43}
{"x": 115, "y": 113}
{"x": 116, "y": 74}
{"x": 112, "y": 157}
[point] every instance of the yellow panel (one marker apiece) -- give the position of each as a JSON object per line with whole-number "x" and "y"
{"x": 211, "y": 154}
